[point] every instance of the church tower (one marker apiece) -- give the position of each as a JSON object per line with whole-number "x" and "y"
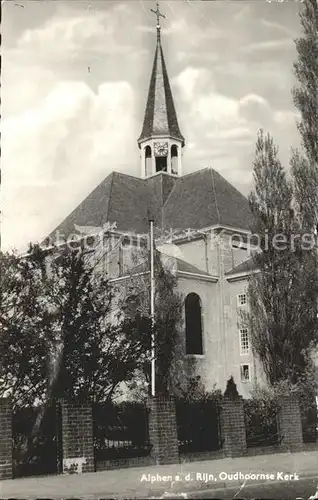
{"x": 160, "y": 141}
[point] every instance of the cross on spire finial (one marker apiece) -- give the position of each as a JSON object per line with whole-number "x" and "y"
{"x": 158, "y": 14}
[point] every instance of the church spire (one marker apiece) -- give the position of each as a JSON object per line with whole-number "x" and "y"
{"x": 161, "y": 141}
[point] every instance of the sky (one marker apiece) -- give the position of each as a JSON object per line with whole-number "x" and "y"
{"x": 75, "y": 79}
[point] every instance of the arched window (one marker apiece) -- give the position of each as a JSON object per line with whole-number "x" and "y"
{"x": 174, "y": 159}
{"x": 193, "y": 323}
{"x": 148, "y": 161}
{"x": 174, "y": 151}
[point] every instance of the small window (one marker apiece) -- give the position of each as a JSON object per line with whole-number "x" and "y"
{"x": 244, "y": 342}
{"x": 245, "y": 373}
{"x": 241, "y": 299}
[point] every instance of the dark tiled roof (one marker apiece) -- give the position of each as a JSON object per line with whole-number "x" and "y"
{"x": 189, "y": 268}
{"x": 119, "y": 198}
{"x": 205, "y": 198}
{"x": 160, "y": 187}
{"x": 195, "y": 201}
{"x": 160, "y": 114}
{"x": 181, "y": 266}
{"x": 246, "y": 266}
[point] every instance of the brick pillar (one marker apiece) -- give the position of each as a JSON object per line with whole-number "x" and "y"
{"x": 5, "y": 439}
{"x": 289, "y": 423}
{"x": 163, "y": 430}
{"x": 77, "y": 437}
{"x": 233, "y": 427}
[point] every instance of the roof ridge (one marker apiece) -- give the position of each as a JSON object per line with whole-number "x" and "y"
{"x": 126, "y": 175}
{"x": 229, "y": 183}
{"x": 248, "y": 264}
{"x": 214, "y": 171}
{"x": 79, "y": 204}
{"x": 193, "y": 266}
{"x": 172, "y": 117}
{"x": 109, "y": 198}
{"x": 174, "y": 186}
{"x": 196, "y": 171}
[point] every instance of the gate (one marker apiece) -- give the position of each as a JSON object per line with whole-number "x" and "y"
{"x": 120, "y": 431}
{"x": 309, "y": 423}
{"x": 198, "y": 425}
{"x": 261, "y": 423}
{"x": 42, "y": 454}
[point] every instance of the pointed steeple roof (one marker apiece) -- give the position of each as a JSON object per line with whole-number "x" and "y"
{"x": 160, "y": 115}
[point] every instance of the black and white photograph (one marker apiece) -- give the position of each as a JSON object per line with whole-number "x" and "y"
{"x": 159, "y": 249}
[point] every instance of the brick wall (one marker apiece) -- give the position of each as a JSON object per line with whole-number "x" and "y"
{"x": 163, "y": 430}
{"x": 233, "y": 427}
{"x": 77, "y": 437}
{"x": 124, "y": 463}
{"x": 5, "y": 439}
{"x": 289, "y": 423}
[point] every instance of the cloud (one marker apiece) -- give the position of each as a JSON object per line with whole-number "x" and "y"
{"x": 253, "y": 98}
{"x": 175, "y": 27}
{"x": 203, "y": 56}
{"x": 196, "y": 25}
{"x": 64, "y": 130}
{"x": 20, "y": 92}
{"x": 255, "y": 109}
{"x": 67, "y": 144}
{"x": 283, "y": 43}
{"x": 223, "y": 123}
{"x": 60, "y": 137}
{"x": 191, "y": 82}
{"x": 244, "y": 12}
{"x": 277, "y": 27}
{"x": 220, "y": 112}
{"x": 67, "y": 37}
{"x": 217, "y": 108}
{"x": 235, "y": 134}
{"x": 286, "y": 116}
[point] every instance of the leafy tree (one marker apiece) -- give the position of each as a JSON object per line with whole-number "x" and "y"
{"x": 231, "y": 389}
{"x": 135, "y": 304}
{"x": 282, "y": 295}
{"x": 305, "y": 164}
{"x": 195, "y": 391}
{"x": 168, "y": 305}
{"x": 58, "y": 338}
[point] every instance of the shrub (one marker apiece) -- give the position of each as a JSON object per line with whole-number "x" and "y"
{"x": 231, "y": 389}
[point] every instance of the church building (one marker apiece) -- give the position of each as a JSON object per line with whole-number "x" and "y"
{"x": 208, "y": 220}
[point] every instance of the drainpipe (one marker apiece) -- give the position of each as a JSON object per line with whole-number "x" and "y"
{"x": 223, "y": 346}
{"x": 205, "y": 239}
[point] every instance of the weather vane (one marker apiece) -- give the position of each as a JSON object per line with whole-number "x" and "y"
{"x": 158, "y": 14}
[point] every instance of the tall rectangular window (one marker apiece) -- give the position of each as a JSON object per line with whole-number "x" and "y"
{"x": 193, "y": 324}
{"x": 244, "y": 342}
